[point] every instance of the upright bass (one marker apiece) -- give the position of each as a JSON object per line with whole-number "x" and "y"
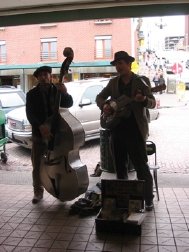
{"x": 62, "y": 173}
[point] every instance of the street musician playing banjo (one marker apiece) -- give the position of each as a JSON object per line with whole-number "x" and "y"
{"x": 125, "y": 115}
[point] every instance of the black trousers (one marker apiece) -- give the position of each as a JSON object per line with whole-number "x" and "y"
{"x": 38, "y": 150}
{"x": 129, "y": 144}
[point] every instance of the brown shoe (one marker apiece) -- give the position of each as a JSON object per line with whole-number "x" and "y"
{"x": 37, "y": 197}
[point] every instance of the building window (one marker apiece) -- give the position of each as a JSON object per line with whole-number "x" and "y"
{"x": 49, "y": 49}
{"x": 103, "y": 21}
{"x": 3, "y": 53}
{"x": 48, "y": 25}
{"x": 103, "y": 47}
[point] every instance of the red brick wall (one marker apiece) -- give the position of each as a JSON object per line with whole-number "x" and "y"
{"x": 23, "y": 42}
{"x": 187, "y": 31}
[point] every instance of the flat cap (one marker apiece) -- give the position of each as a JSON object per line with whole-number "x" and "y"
{"x": 47, "y": 69}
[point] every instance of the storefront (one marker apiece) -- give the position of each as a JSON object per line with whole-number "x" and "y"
{"x": 21, "y": 76}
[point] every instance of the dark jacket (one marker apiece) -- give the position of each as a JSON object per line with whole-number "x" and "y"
{"x": 138, "y": 108}
{"x": 39, "y": 108}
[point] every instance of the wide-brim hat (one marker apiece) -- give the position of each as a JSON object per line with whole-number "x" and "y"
{"x": 122, "y": 55}
{"x": 47, "y": 69}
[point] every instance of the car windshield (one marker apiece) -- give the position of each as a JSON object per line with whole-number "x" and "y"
{"x": 9, "y": 100}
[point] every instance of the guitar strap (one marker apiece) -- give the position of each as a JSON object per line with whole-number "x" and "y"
{"x": 142, "y": 78}
{"x": 143, "y": 81}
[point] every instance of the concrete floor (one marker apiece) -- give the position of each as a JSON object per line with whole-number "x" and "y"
{"x": 48, "y": 226}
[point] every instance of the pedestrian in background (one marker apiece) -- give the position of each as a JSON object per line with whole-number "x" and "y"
{"x": 156, "y": 79}
{"x": 161, "y": 81}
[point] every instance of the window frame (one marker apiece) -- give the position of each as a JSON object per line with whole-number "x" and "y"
{"x": 49, "y": 54}
{"x": 3, "y": 55}
{"x": 106, "y": 52}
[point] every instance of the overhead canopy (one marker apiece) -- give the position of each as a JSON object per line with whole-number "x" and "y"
{"x": 19, "y": 12}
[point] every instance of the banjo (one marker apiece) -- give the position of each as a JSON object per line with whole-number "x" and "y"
{"x": 112, "y": 119}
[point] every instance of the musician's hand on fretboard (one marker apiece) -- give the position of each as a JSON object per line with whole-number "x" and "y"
{"x": 62, "y": 88}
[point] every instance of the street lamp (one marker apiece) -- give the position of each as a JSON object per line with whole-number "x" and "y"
{"x": 140, "y": 38}
{"x": 161, "y": 25}
{"x": 161, "y": 41}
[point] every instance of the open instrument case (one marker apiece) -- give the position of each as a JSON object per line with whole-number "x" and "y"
{"x": 122, "y": 206}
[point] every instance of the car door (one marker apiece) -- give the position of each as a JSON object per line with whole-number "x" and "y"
{"x": 87, "y": 111}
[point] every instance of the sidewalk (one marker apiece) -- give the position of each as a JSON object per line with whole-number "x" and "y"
{"x": 170, "y": 100}
{"x": 48, "y": 227}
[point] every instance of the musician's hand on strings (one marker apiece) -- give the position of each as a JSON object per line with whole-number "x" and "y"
{"x": 107, "y": 110}
{"x": 62, "y": 88}
{"x": 45, "y": 132}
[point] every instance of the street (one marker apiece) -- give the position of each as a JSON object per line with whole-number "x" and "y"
{"x": 170, "y": 132}
{"x": 171, "y": 135}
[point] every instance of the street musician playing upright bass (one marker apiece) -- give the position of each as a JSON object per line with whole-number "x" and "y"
{"x": 40, "y": 103}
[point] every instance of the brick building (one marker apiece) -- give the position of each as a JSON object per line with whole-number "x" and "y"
{"x": 187, "y": 32}
{"x": 23, "y": 48}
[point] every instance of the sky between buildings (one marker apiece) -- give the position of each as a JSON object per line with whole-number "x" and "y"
{"x": 157, "y": 28}
{"x": 172, "y": 25}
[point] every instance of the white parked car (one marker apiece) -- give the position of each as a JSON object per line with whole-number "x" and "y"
{"x": 84, "y": 93}
{"x": 11, "y": 98}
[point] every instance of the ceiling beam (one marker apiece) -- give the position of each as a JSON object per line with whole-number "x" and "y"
{"x": 10, "y": 7}
{"x": 95, "y": 13}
